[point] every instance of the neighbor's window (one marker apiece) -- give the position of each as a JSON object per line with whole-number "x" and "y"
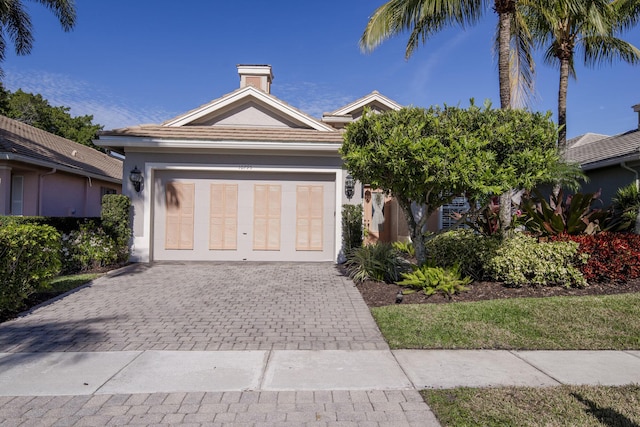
{"x": 17, "y": 184}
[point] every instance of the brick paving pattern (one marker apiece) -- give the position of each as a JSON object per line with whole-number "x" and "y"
{"x": 249, "y": 408}
{"x": 203, "y": 306}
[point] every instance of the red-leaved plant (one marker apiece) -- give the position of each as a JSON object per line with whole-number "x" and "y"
{"x": 612, "y": 257}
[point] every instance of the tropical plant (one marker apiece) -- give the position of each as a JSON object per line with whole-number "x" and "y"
{"x": 405, "y": 248}
{"x": 626, "y": 209}
{"x": 608, "y": 257}
{"x": 432, "y": 279}
{"x": 379, "y": 262}
{"x": 574, "y": 214}
{"x": 16, "y": 23}
{"x": 424, "y": 18}
{"x": 562, "y": 27}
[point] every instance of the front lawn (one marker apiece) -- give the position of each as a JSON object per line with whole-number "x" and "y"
{"x": 58, "y": 286}
{"x": 525, "y": 406}
{"x": 610, "y": 322}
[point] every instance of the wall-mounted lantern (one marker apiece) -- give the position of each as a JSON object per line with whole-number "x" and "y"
{"x": 349, "y": 186}
{"x": 136, "y": 178}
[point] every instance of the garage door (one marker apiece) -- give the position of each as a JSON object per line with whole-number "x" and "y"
{"x": 244, "y": 216}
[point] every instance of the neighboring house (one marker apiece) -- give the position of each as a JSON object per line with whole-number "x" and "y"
{"x": 610, "y": 162}
{"x": 47, "y": 175}
{"x": 243, "y": 177}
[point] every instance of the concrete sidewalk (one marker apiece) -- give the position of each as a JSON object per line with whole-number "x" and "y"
{"x": 68, "y": 373}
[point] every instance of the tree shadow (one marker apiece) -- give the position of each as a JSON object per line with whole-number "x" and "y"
{"x": 607, "y": 416}
{"x": 38, "y": 337}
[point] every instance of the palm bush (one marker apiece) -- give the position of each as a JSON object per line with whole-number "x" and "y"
{"x": 379, "y": 262}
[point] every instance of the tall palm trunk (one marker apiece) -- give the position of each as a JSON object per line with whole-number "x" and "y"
{"x": 505, "y": 10}
{"x": 562, "y": 103}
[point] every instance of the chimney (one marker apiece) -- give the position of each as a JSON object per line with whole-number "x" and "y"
{"x": 636, "y": 108}
{"x": 258, "y": 76}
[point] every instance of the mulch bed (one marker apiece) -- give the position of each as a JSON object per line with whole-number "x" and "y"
{"x": 378, "y": 294}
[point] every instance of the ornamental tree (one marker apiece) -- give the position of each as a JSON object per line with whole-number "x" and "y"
{"x": 426, "y": 157}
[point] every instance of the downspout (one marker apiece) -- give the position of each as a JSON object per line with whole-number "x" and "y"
{"x": 623, "y": 165}
{"x": 40, "y": 180}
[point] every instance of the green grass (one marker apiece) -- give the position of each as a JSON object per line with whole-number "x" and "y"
{"x": 58, "y": 286}
{"x": 609, "y": 322}
{"x": 525, "y": 406}
{"x": 63, "y": 284}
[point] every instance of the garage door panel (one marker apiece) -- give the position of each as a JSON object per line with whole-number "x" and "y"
{"x": 223, "y": 221}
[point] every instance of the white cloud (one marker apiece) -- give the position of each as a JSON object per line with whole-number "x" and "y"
{"x": 84, "y": 99}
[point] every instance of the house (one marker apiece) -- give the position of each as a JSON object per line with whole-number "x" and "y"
{"x": 47, "y": 175}
{"x": 243, "y": 177}
{"x": 610, "y": 162}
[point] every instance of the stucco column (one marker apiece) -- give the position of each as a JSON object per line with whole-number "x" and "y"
{"x": 5, "y": 190}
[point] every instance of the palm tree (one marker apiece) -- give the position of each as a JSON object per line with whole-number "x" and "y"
{"x": 423, "y": 18}
{"x": 564, "y": 27}
{"x": 16, "y": 23}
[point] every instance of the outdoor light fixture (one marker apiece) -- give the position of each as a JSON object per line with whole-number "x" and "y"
{"x": 349, "y": 185}
{"x": 136, "y": 178}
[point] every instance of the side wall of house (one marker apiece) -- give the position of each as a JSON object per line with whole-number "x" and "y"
{"x": 608, "y": 180}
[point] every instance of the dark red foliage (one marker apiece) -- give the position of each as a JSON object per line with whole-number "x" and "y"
{"x": 613, "y": 257}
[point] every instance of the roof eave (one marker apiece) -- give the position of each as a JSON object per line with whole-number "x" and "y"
{"x": 610, "y": 162}
{"x": 53, "y": 165}
{"x": 120, "y": 142}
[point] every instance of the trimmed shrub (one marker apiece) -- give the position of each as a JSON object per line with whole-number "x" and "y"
{"x": 351, "y": 227}
{"x": 29, "y": 257}
{"x": 88, "y": 248}
{"x": 469, "y": 250}
{"x": 522, "y": 260}
{"x": 379, "y": 262}
{"x": 115, "y": 221}
{"x": 610, "y": 257}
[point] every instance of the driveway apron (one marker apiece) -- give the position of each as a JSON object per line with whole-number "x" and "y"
{"x": 203, "y": 306}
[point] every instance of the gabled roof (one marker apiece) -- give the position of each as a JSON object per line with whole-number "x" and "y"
{"x": 248, "y": 96}
{"x": 587, "y": 138}
{"x": 27, "y": 144}
{"x": 373, "y": 99}
{"x": 599, "y": 152}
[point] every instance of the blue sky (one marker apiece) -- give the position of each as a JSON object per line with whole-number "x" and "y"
{"x": 131, "y": 62}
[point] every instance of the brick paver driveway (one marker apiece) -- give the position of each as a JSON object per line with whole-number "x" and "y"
{"x": 203, "y": 306}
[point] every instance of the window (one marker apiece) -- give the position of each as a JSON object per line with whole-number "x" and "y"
{"x": 17, "y": 193}
{"x": 457, "y": 205}
{"x": 106, "y": 190}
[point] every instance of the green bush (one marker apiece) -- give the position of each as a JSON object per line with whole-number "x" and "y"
{"x": 522, "y": 260}
{"x": 351, "y": 227}
{"x": 433, "y": 279}
{"x": 379, "y": 262}
{"x": 115, "y": 221}
{"x": 469, "y": 250}
{"x": 88, "y": 248}
{"x": 29, "y": 257}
